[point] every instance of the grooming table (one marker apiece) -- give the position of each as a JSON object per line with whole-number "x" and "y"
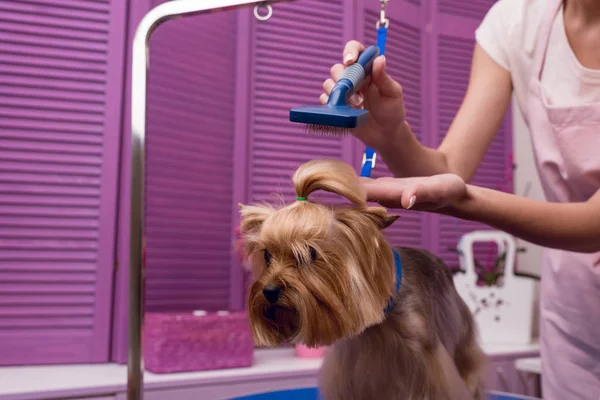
{"x": 312, "y": 394}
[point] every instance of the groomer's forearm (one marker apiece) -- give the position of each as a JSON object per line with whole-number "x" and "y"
{"x": 406, "y": 157}
{"x": 567, "y": 226}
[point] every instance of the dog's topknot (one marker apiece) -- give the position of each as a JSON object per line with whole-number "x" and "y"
{"x": 332, "y": 176}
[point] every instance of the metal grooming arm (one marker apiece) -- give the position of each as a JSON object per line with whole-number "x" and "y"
{"x": 140, "y": 58}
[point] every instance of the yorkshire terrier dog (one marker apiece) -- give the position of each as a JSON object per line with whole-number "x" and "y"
{"x": 325, "y": 276}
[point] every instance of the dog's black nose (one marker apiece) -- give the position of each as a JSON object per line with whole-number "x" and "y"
{"x": 271, "y": 293}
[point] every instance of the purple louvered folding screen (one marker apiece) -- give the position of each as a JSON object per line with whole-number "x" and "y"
{"x": 293, "y": 53}
{"x": 190, "y": 174}
{"x": 474, "y": 9}
{"x": 61, "y": 66}
{"x": 405, "y": 53}
{"x": 453, "y": 26}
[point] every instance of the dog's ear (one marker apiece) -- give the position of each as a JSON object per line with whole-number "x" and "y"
{"x": 380, "y": 216}
{"x": 253, "y": 218}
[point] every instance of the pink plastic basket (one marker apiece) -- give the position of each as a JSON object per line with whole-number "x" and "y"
{"x": 185, "y": 342}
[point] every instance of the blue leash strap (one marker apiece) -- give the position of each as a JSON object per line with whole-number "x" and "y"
{"x": 368, "y": 162}
{"x": 369, "y": 157}
{"x": 381, "y": 38}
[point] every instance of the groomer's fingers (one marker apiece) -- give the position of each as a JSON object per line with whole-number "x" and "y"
{"x": 429, "y": 192}
{"x": 434, "y": 191}
{"x": 324, "y": 98}
{"x": 357, "y": 99}
{"x": 388, "y": 191}
{"x": 386, "y": 84}
{"x": 351, "y": 51}
{"x": 336, "y": 72}
{"x": 328, "y": 85}
{"x": 401, "y": 195}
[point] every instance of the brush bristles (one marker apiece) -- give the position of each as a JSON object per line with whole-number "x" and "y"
{"x": 327, "y": 130}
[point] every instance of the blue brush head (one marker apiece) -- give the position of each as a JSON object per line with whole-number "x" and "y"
{"x": 342, "y": 116}
{"x": 337, "y": 116}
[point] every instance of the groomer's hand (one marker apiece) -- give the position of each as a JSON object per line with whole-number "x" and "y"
{"x": 426, "y": 193}
{"x": 380, "y": 94}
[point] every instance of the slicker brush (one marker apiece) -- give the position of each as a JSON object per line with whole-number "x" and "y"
{"x": 337, "y": 117}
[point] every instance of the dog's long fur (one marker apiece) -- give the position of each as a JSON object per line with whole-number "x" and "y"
{"x": 333, "y": 274}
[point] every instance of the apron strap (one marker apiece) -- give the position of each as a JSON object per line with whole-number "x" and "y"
{"x": 544, "y": 37}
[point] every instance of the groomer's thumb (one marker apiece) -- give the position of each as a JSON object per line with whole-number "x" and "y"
{"x": 386, "y": 85}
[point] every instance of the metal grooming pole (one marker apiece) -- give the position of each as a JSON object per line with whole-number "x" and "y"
{"x": 140, "y": 58}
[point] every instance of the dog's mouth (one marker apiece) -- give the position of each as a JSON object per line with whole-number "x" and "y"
{"x": 283, "y": 320}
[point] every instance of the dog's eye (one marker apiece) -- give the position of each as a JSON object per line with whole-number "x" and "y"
{"x": 267, "y": 256}
{"x": 313, "y": 254}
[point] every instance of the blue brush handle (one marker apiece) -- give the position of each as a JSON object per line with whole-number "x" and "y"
{"x": 353, "y": 77}
{"x": 366, "y": 59}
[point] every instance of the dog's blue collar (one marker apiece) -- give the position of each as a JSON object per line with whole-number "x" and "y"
{"x": 398, "y": 265}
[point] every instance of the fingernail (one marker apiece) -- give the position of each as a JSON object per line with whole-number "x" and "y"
{"x": 411, "y": 202}
{"x": 347, "y": 58}
{"x": 357, "y": 99}
{"x": 384, "y": 60}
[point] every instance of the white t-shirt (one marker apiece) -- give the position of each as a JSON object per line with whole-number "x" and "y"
{"x": 509, "y": 34}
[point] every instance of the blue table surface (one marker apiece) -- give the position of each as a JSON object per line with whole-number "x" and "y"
{"x": 312, "y": 394}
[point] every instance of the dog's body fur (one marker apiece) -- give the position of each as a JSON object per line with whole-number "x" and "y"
{"x": 324, "y": 276}
{"x": 396, "y": 360}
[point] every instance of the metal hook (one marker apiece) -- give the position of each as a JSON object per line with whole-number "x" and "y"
{"x": 265, "y": 17}
{"x": 382, "y": 19}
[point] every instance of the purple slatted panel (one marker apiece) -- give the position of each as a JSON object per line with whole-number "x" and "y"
{"x": 475, "y": 9}
{"x": 292, "y": 57}
{"x": 405, "y": 64}
{"x": 60, "y": 113}
{"x": 456, "y": 24}
{"x": 189, "y": 173}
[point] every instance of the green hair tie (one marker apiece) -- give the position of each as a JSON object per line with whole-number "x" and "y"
{"x": 301, "y": 198}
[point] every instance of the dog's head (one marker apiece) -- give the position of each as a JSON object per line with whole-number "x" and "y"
{"x": 321, "y": 273}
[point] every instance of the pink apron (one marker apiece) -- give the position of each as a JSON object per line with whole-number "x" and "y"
{"x": 566, "y": 143}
